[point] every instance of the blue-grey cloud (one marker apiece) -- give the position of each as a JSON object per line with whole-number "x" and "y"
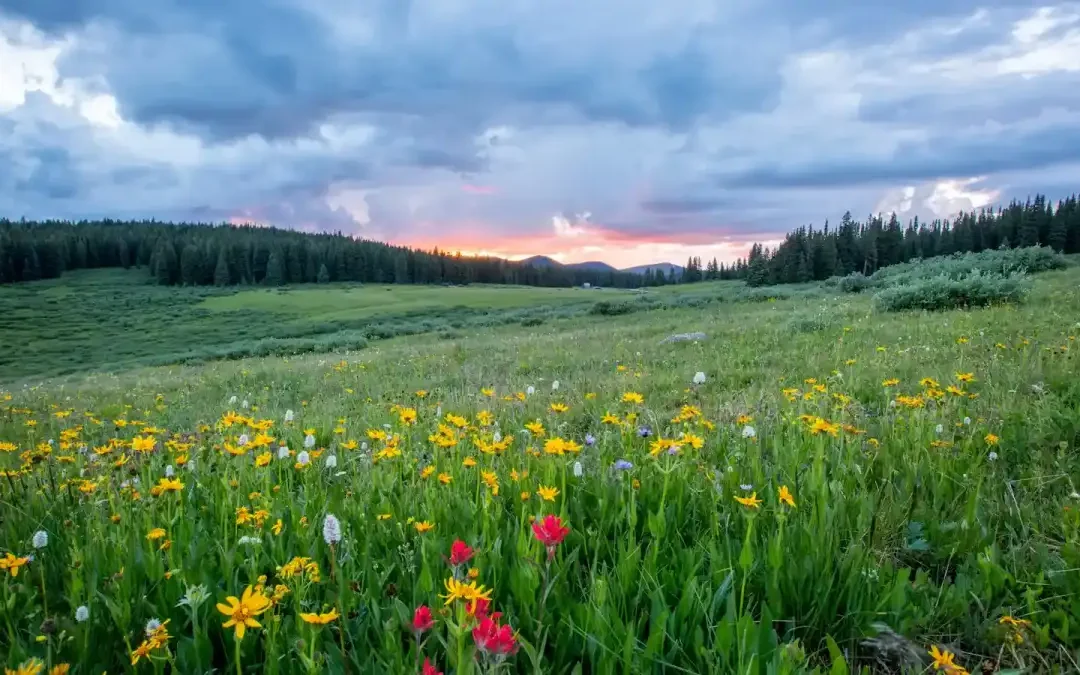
{"x": 657, "y": 119}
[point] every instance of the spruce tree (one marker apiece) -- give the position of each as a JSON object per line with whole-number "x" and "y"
{"x": 221, "y": 270}
{"x": 324, "y": 275}
{"x": 275, "y": 272}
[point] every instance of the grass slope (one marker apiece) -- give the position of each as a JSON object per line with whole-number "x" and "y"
{"x": 903, "y": 516}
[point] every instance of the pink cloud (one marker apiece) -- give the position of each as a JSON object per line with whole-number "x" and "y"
{"x": 479, "y": 189}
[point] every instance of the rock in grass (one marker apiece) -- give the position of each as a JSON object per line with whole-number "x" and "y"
{"x": 683, "y": 337}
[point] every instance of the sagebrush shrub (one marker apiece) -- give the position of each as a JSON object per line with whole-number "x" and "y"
{"x": 943, "y": 292}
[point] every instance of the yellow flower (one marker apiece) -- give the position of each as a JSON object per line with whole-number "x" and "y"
{"x": 559, "y": 407}
{"x": 535, "y": 428}
{"x": 320, "y": 619}
{"x": 424, "y": 526}
{"x": 407, "y": 415}
{"x": 169, "y": 485}
{"x": 458, "y": 590}
{"x": 891, "y": 382}
{"x": 548, "y": 494}
{"x": 786, "y": 497}
{"x": 263, "y": 459}
{"x": 695, "y": 442}
{"x": 31, "y": 667}
{"x": 12, "y": 563}
{"x": 991, "y": 439}
{"x": 426, "y": 472}
{"x": 608, "y": 418}
{"x": 525, "y": 496}
{"x": 242, "y": 612}
{"x": 468, "y": 462}
{"x": 421, "y": 393}
{"x": 751, "y": 502}
{"x": 589, "y": 396}
{"x": 943, "y": 660}
{"x": 60, "y": 669}
{"x": 487, "y": 391}
{"x": 633, "y": 397}
{"x": 143, "y": 443}
{"x": 965, "y": 377}
{"x": 277, "y": 527}
{"x": 156, "y": 533}
{"x": 383, "y": 516}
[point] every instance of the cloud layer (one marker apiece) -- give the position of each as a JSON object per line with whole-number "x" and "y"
{"x": 628, "y": 131}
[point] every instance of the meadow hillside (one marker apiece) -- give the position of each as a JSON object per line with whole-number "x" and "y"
{"x": 538, "y": 482}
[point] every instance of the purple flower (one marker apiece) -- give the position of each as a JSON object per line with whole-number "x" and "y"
{"x": 644, "y": 431}
{"x": 623, "y": 465}
{"x": 590, "y": 440}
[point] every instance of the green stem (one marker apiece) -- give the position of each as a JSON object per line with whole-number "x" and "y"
{"x": 236, "y": 653}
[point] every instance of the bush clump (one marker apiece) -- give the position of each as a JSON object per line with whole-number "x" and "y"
{"x": 856, "y": 282}
{"x": 942, "y": 292}
{"x": 998, "y": 262}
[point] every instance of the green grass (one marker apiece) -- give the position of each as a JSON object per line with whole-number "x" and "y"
{"x": 365, "y": 302}
{"x": 115, "y": 319}
{"x": 897, "y": 524}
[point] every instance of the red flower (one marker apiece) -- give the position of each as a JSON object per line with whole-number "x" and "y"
{"x": 478, "y": 608}
{"x": 460, "y": 553}
{"x": 551, "y": 532}
{"x": 491, "y": 638}
{"x": 422, "y": 620}
{"x": 430, "y": 669}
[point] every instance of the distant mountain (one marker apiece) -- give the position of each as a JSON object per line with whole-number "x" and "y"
{"x": 666, "y": 268}
{"x": 593, "y": 266}
{"x": 541, "y": 261}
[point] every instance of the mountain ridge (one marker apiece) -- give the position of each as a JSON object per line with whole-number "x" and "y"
{"x": 543, "y": 261}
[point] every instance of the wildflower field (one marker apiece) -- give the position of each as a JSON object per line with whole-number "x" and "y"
{"x": 814, "y": 486}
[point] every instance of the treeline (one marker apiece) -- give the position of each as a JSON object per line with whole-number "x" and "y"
{"x": 815, "y": 255}
{"x": 223, "y": 255}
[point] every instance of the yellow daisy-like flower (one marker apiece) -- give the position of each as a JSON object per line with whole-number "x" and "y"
{"x": 469, "y": 592}
{"x": 548, "y": 494}
{"x": 424, "y": 526}
{"x": 156, "y": 533}
{"x": 633, "y": 397}
{"x": 242, "y": 611}
{"x": 320, "y": 619}
{"x": 786, "y": 496}
{"x": 750, "y": 502}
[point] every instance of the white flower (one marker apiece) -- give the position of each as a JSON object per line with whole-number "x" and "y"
{"x": 41, "y": 539}
{"x": 496, "y": 437}
{"x": 309, "y": 441}
{"x": 331, "y": 529}
{"x": 992, "y": 456}
{"x": 363, "y": 446}
{"x": 151, "y": 626}
{"x": 194, "y": 596}
{"x": 331, "y": 461}
{"x": 283, "y": 452}
{"x": 939, "y": 429}
{"x": 82, "y": 613}
{"x": 303, "y": 458}
{"x": 530, "y": 390}
{"x": 699, "y": 377}
{"x": 248, "y": 541}
{"x": 245, "y": 404}
{"x": 748, "y": 432}
{"x": 243, "y": 440}
{"x": 232, "y": 400}
{"x": 967, "y": 421}
{"x": 578, "y": 470}
{"x": 1075, "y": 494}
{"x": 747, "y": 487}
{"x": 289, "y": 415}
{"x": 170, "y": 471}
{"x": 555, "y": 386}
{"x": 438, "y": 410}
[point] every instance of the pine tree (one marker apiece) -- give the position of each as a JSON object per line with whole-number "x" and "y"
{"x": 221, "y": 270}
{"x": 324, "y": 274}
{"x": 275, "y": 271}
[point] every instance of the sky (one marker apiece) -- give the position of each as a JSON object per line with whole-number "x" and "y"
{"x": 628, "y": 131}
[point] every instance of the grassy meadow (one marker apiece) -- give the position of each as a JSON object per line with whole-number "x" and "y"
{"x": 530, "y": 486}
